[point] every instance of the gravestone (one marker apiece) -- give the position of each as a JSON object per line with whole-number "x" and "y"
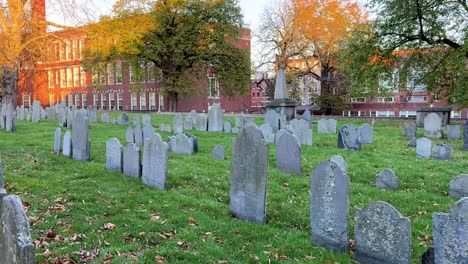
{"x": 10, "y": 119}
{"x": 148, "y": 131}
{"x": 272, "y": 118}
{"x": 288, "y": 154}
{"x": 349, "y": 137}
{"x": 453, "y": 132}
{"x": 326, "y": 126}
{"x": 239, "y": 120}
{"x": 195, "y": 141}
{"x": 249, "y": 122}
{"x": 188, "y": 125}
{"x": 131, "y": 161}
{"x": 70, "y": 116}
{"x": 51, "y": 114}
{"x": 465, "y": 135}
{"x": 193, "y": 115}
{"x": 267, "y": 132}
{"x": 57, "y": 139}
{"x": 2, "y": 190}
{"x": 227, "y": 126}
{"x": 218, "y": 153}
{"x": 92, "y": 113}
{"x": 80, "y": 138}
{"x": 412, "y": 143}
{"x": 36, "y": 111}
{"x": 123, "y": 119}
{"x": 235, "y": 130}
{"x": 154, "y": 170}
{"x": 281, "y": 132}
{"x": 433, "y": 126}
{"x": 387, "y": 179}
{"x": 202, "y": 122}
{"x": 303, "y": 131}
{"x": 136, "y": 120}
{"x": 129, "y": 135}
{"x": 114, "y": 155}
{"x": 382, "y": 235}
{"x": 442, "y": 151}
{"x": 458, "y": 187}
{"x": 338, "y": 160}
{"x": 181, "y": 144}
{"x": 146, "y": 119}
{"x": 165, "y": 127}
{"x": 215, "y": 118}
{"x": 366, "y": 133}
{"x": 249, "y": 173}
{"x": 67, "y": 146}
{"x": 16, "y": 245}
{"x": 105, "y": 117}
{"x": 307, "y": 116}
{"x": 450, "y": 234}
{"x": 138, "y": 136}
{"x": 409, "y": 129}
{"x": 329, "y": 189}
{"x": 423, "y": 148}
{"x": 178, "y": 124}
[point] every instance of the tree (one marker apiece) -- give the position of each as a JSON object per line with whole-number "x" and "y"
{"x": 424, "y": 40}
{"x": 186, "y": 40}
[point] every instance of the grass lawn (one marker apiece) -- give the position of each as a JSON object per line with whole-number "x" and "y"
{"x": 79, "y": 210}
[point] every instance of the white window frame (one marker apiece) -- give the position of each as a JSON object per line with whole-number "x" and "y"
{"x": 78, "y": 100}
{"x": 455, "y": 114}
{"x": 390, "y": 99}
{"x": 50, "y": 78}
{"x": 70, "y": 99}
{"x": 104, "y": 101}
{"x": 213, "y": 87}
{"x": 82, "y": 77}
{"x": 161, "y": 103}
{"x": 111, "y": 100}
{"x": 119, "y": 101}
{"x": 110, "y": 69}
{"x": 118, "y": 73}
{"x": 133, "y": 101}
{"x": 358, "y": 100}
{"x": 152, "y": 101}
{"x": 69, "y": 77}
{"x": 416, "y": 99}
{"x": 63, "y": 78}
{"x": 76, "y": 76}
{"x": 96, "y": 100}
{"x": 84, "y": 100}
{"x": 142, "y": 101}
{"x": 28, "y": 100}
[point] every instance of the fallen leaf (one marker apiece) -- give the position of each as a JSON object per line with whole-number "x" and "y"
{"x": 193, "y": 220}
{"x": 155, "y": 217}
{"x": 159, "y": 259}
{"x": 50, "y": 233}
{"x": 109, "y": 226}
{"x": 142, "y": 234}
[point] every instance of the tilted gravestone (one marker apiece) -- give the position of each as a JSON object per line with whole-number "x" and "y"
{"x": 303, "y": 131}
{"x": 249, "y": 173}
{"x": 329, "y": 202}
{"x": 218, "y": 153}
{"x": 154, "y": 169}
{"x": 272, "y": 118}
{"x": 366, "y": 133}
{"x": 67, "y": 145}
{"x": 57, "y": 139}
{"x": 458, "y": 186}
{"x": 382, "y": 235}
{"x": 148, "y": 130}
{"x": 412, "y": 143}
{"x": 138, "y": 136}
{"x": 92, "y": 113}
{"x": 188, "y": 125}
{"x": 453, "y": 132}
{"x": 450, "y": 234}
{"x": 178, "y": 124}
{"x": 442, "y": 151}
{"x": 267, "y": 132}
{"x": 129, "y": 135}
{"x": 227, "y": 126}
{"x": 387, "y": 179}
{"x": 465, "y": 135}
{"x": 349, "y": 137}
{"x": 409, "y": 129}
{"x": 288, "y": 154}
{"x": 423, "y": 148}
{"x": 181, "y": 144}
{"x": 215, "y": 118}
{"x": 80, "y": 138}
{"x": 341, "y": 163}
{"x": 201, "y": 122}
{"x": 114, "y": 155}
{"x": 16, "y": 245}
{"x": 131, "y": 161}
{"x": 433, "y": 126}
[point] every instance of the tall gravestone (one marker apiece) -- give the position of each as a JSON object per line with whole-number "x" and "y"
{"x": 450, "y": 234}
{"x": 458, "y": 186}
{"x": 281, "y": 103}
{"x": 136, "y": 120}
{"x": 341, "y": 163}
{"x": 57, "y": 139}
{"x": 154, "y": 169}
{"x": 146, "y": 119}
{"x": 366, "y": 133}
{"x": 272, "y": 118}
{"x": 80, "y": 138}
{"x": 453, "y": 132}
{"x": 188, "y": 125}
{"x": 92, "y": 113}
{"x": 409, "y": 129}
{"x": 227, "y": 126}
{"x": 67, "y": 144}
{"x": 382, "y": 235}
{"x": 10, "y": 119}
{"x": 178, "y": 124}
{"x": 288, "y": 154}
{"x": 148, "y": 130}
{"x": 465, "y": 135}
{"x": 329, "y": 202}
{"x": 131, "y": 161}
{"x": 349, "y": 137}
{"x": 129, "y": 138}
{"x": 16, "y": 245}
{"x": 138, "y": 136}
{"x": 215, "y": 118}
{"x": 249, "y": 173}
{"x": 307, "y": 115}
{"x": 303, "y": 131}
{"x": 201, "y": 122}
{"x": 433, "y": 126}
{"x": 267, "y": 132}
{"x": 423, "y": 148}
{"x": 114, "y": 155}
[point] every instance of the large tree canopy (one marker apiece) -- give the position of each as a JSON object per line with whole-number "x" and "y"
{"x": 186, "y": 40}
{"x": 412, "y": 42}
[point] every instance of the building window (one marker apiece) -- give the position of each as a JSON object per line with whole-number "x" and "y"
{"x": 416, "y": 99}
{"x": 110, "y": 74}
{"x": 152, "y": 101}
{"x": 57, "y": 77}
{"x": 133, "y": 101}
{"x": 76, "y": 77}
{"x": 96, "y": 100}
{"x": 81, "y": 48}
{"x": 69, "y": 77}
{"x": 142, "y": 101}
{"x": 133, "y": 77}
{"x": 385, "y": 113}
{"x": 63, "y": 98}
{"x": 26, "y": 100}
{"x": 405, "y": 113}
{"x": 70, "y": 100}
{"x": 118, "y": 72}
{"x": 213, "y": 87}
{"x": 161, "y": 103}
{"x": 358, "y": 100}
{"x": 61, "y": 51}
{"x": 120, "y": 101}
{"x": 77, "y": 100}
{"x": 111, "y": 101}
{"x": 82, "y": 77}
{"x": 51, "y": 99}
{"x": 63, "y": 78}
{"x": 103, "y": 102}
{"x": 386, "y": 99}
{"x": 50, "y": 78}
{"x": 84, "y": 100}
{"x": 151, "y": 72}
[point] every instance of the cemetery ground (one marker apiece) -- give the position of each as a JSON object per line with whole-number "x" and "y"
{"x": 81, "y": 211}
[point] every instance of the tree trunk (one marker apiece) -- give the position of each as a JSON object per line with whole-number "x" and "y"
{"x": 9, "y": 86}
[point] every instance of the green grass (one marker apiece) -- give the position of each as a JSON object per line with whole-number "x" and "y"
{"x": 190, "y": 221}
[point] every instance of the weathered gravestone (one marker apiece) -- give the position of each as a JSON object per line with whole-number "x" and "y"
{"x": 165, "y": 127}
{"x": 442, "y": 151}
{"x": 382, "y": 235}
{"x": 307, "y": 116}
{"x": 129, "y": 135}
{"x": 193, "y": 115}
{"x": 267, "y": 132}
{"x": 80, "y": 138}
{"x": 303, "y": 131}
{"x": 123, "y": 119}
{"x": 281, "y": 132}
{"x": 465, "y": 135}
{"x": 409, "y": 129}
{"x": 218, "y": 153}
{"x": 10, "y": 119}
{"x": 458, "y": 187}
{"x": 146, "y": 119}
{"x": 272, "y": 118}
{"x": 92, "y": 113}
{"x": 51, "y": 113}
{"x": 433, "y": 126}
{"x": 202, "y": 122}
{"x": 67, "y": 144}
{"x": 195, "y": 141}
{"x": 326, "y": 126}
{"x": 249, "y": 122}
{"x": 423, "y": 148}
{"x": 366, "y": 133}
{"x": 288, "y": 154}
{"x": 338, "y": 160}
{"x": 105, "y": 117}
{"x": 349, "y": 137}
{"x": 188, "y": 125}
{"x": 136, "y": 120}
{"x": 57, "y": 139}
{"x": 148, "y": 130}
{"x": 412, "y": 143}
{"x": 450, "y": 234}
{"x": 453, "y": 132}
{"x": 181, "y": 144}
{"x": 249, "y": 173}
{"x": 215, "y": 118}
{"x": 178, "y": 124}
{"x": 239, "y": 120}
{"x": 15, "y": 238}
{"x": 387, "y": 179}
{"x": 227, "y": 126}
{"x": 36, "y": 111}
{"x": 329, "y": 202}
{"x": 235, "y": 130}
{"x": 131, "y": 161}
{"x": 138, "y": 136}
{"x": 70, "y": 116}
{"x": 114, "y": 155}
{"x": 154, "y": 170}
{"x": 2, "y": 190}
